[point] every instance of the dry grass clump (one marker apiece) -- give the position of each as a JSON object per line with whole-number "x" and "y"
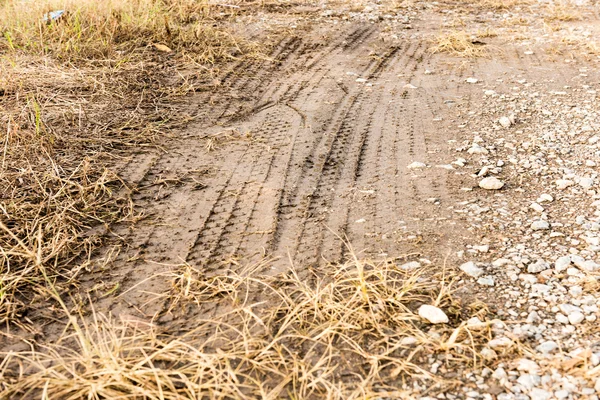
{"x": 458, "y": 43}
{"x": 76, "y": 95}
{"x": 562, "y": 11}
{"x": 582, "y": 45}
{"x": 216, "y": 140}
{"x": 98, "y": 31}
{"x": 502, "y": 4}
{"x": 487, "y": 33}
{"x": 352, "y": 333}
{"x": 482, "y": 5}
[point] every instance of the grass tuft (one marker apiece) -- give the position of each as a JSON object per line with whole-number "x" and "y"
{"x": 77, "y": 96}
{"x": 348, "y": 334}
{"x": 458, "y": 43}
{"x": 561, "y": 11}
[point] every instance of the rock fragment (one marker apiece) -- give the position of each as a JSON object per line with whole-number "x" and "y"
{"x": 411, "y": 265}
{"x": 540, "y": 225}
{"x": 417, "y": 165}
{"x": 471, "y": 269}
{"x": 562, "y": 184}
{"x": 505, "y": 122}
{"x": 491, "y": 183}
{"x": 433, "y": 314}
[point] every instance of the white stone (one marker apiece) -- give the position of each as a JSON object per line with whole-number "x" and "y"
{"x": 547, "y": 347}
{"x": 500, "y": 374}
{"x": 533, "y": 318}
{"x": 482, "y": 249}
{"x": 576, "y": 318}
{"x": 486, "y": 281}
{"x": 540, "y": 288}
{"x": 538, "y": 266}
{"x": 589, "y": 266}
{"x": 577, "y": 260}
{"x": 575, "y": 291}
{"x": 563, "y": 183}
{"x": 540, "y": 225}
{"x": 411, "y": 265}
{"x": 562, "y": 263}
{"x": 545, "y": 198}
{"x": 491, "y": 183}
{"x": 433, "y": 314}
{"x": 477, "y": 149}
{"x": 408, "y": 341}
{"x": 527, "y": 365}
{"x": 488, "y": 354}
{"x": 501, "y": 262}
{"x": 562, "y": 318}
{"x": 561, "y": 394}
{"x": 461, "y": 162}
{"x": 471, "y": 269}
{"x": 416, "y": 165}
{"x": 536, "y": 207}
{"x": 505, "y": 122}
{"x": 539, "y": 394}
{"x": 472, "y": 80}
{"x": 500, "y": 342}
{"x": 528, "y": 381}
{"x": 586, "y": 183}
{"x": 568, "y": 308}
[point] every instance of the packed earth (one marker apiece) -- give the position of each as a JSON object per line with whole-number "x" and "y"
{"x": 387, "y": 200}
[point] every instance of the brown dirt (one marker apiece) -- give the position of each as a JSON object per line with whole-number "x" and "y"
{"x": 290, "y": 156}
{"x": 287, "y": 157}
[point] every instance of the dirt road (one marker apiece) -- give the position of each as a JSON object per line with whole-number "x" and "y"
{"x": 377, "y": 136}
{"x": 290, "y": 158}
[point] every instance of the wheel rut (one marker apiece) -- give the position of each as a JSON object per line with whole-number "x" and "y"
{"x": 291, "y": 159}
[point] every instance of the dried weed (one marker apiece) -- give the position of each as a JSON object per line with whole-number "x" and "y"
{"x": 458, "y": 43}
{"x": 349, "y": 334}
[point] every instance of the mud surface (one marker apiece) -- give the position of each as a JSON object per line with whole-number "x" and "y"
{"x": 297, "y": 158}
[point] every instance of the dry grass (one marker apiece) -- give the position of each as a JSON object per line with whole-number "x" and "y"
{"x": 77, "y": 95}
{"x": 581, "y": 45}
{"x": 458, "y": 43}
{"x": 216, "y": 140}
{"x": 502, "y": 4}
{"x": 487, "y": 33}
{"x": 99, "y": 31}
{"x": 482, "y": 5}
{"x": 562, "y": 11}
{"x": 350, "y": 334}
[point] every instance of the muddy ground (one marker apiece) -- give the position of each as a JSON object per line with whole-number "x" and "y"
{"x": 289, "y": 157}
{"x": 302, "y": 158}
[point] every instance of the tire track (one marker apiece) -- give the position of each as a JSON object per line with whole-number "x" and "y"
{"x": 220, "y": 238}
{"x": 343, "y": 153}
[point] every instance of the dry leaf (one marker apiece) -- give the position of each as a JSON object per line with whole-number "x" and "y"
{"x": 578, "y": 359}
{"x": 162, "y": 47}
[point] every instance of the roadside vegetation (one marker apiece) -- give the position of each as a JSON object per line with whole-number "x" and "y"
{"x": 77, "y": 93}
{"x": 351, "y": 333}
